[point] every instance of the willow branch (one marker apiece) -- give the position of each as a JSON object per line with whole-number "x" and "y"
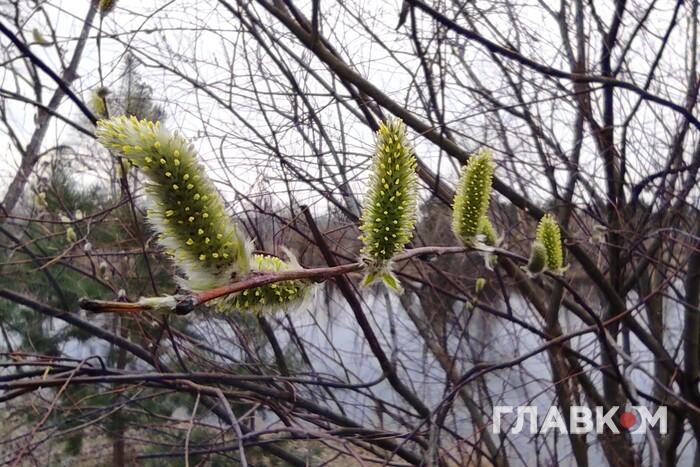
{"x": 187, "y": 302}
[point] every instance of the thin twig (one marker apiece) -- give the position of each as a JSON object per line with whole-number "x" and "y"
{"x": 189, "y": 430}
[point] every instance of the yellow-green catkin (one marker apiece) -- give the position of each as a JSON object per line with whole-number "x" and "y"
{"x": 389, "y": 212}
{"x": 277, "y": 296}
{"x": 472, "y": 198}
{"x": 487, "y": 232}
{"x": 185, "y": 208}
{"x": 71, "y": 236}
{"x": 549, "y": 235}
{"x": 538, "y": 259}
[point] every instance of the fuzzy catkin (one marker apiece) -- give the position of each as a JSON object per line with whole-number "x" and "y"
{"x": 549, "y": 235}
{"x": 538, "y": 259}
{"x": 267, "y": 298}
{"x": 185, "y": 208}
{"x": 472, "y": 197}
{"x": 487, "y": 231}
{"x": 389, "y": 212}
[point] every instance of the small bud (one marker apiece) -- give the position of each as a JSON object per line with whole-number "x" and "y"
{"x": 486, "y": 238}
{"x": 98, "y": 102}
{"x": 598, "y": 234}
{"x": 40, "y": 200}
{"x": 39, "y": 38}
{"x": 479, "y": 284}
{"x": 71, "y": 235}
{"x": 164, "y": 304}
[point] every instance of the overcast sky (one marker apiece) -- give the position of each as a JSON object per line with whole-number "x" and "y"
{"x": 202, "y": 40}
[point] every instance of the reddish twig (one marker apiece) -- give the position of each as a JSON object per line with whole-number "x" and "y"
{"x": 187, "y": 302}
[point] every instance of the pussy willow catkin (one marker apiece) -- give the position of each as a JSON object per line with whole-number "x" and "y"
{"x": 549, "y": 235}
{"x": 280, "y": 295}
{"x": 487, "y": 232}
{"x": 185, "y": 208}
{"x": 487, "y": 235}
{"x": 389, "y": 213}
{"x": 538, "y": 259}
{"x": 472, "y": 198}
